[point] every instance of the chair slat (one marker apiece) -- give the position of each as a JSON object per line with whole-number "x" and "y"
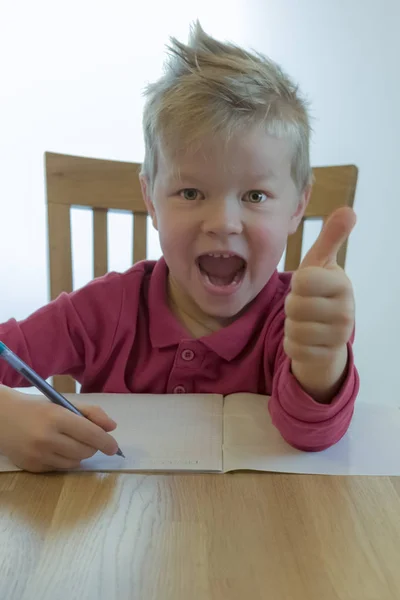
{"x": 64, "y": 384}
{"x": 139, "y": 237}
{"x": 59, "y": 236}
{"x": 333, "y": 187}
{"x": 293, "y": 249}
{"x": 100, "y": 242}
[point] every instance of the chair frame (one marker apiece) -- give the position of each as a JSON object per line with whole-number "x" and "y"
{"x": 105, "y": 185}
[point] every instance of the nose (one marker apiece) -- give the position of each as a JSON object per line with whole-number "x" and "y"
{"x": 223, "y": 217}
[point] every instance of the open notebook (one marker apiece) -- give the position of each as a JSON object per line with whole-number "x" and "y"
{"x": 209, "y": 433}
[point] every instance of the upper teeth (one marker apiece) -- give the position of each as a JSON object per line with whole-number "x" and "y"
{"x": 220, "y": 254}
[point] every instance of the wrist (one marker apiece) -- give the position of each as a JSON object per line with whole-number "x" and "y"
{"x": 8, "y": 395}
{"x": 6, "y": 398}
{"x": 5, "y": 393}
{"x": 322, "y": 381}
{"x": 10, "y": 400}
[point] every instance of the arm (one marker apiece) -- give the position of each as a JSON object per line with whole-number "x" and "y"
{"x": 302, "y": 421}
{"x": 71, "y": 335}
{"x": 315, "y": 381}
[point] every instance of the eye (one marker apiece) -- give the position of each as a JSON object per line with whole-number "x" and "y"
{"x": 189, "y": 194}
{"x": 255, "y": 197}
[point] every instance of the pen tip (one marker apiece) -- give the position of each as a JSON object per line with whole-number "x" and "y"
{"x": 120, "y": 453}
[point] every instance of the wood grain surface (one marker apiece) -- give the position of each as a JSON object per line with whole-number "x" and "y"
{"x": 236, "y": 536}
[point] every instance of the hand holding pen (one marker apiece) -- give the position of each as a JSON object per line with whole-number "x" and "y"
{"x": 37, "y": 435}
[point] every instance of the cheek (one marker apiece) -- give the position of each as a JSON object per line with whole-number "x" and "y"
{"x": 175, "y": 233}
{"x": 268, "y": 239}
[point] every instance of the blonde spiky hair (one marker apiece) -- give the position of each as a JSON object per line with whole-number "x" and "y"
{"x": 214, "y": 87}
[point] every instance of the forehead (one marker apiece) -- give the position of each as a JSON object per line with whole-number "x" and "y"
{"x": 254, "y": 154}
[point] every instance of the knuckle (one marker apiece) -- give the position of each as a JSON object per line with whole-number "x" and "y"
{"x": 289, "y": 348}
{"x": 345, "y": 318}
{"x": 344, "y": 333}
{"x": 293, "y": 330}
{"x": 346, "y": 290}
{"x": 347, "y": 285}
{"x": 286, "y": 326}
{"x": 297, "y": 307}
{"x": 303, "y": 279}
{"x": 40, "y": 442}
{"x": 301, "y": 353}
{"x": 290, "y": 305}
{"x": 348, "y": 319}
{"x": 288, "y": 300}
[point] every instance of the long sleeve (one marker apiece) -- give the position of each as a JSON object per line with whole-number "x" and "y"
{"x": 303, "y": 422}
{"x": 64, "y": 336}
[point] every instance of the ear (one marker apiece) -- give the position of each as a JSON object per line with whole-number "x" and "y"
{"x": 145, "y": 185}
{"x": 297, "y": 216}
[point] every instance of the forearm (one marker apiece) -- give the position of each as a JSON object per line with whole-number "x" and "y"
{"x": 322, "y": 381}
{"x": 303, "y": 422}
{"x": 44, "y": 341}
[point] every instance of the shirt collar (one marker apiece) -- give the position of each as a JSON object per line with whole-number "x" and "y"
{"x": 228, "y": 342}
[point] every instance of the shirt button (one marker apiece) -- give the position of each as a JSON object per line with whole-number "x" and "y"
{"x": 187, "y": 355}
{"x": 179, "y": 389}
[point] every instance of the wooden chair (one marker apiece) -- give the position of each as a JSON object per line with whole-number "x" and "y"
{"x": 333, "y": 187}
{"x": 106, "y": 185}
{"x": 102, "y": 185}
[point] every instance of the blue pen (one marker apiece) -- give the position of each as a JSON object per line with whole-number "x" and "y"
{"x": 39, "y": 383}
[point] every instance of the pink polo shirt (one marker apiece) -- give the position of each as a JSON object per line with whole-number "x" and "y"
{"x": 117, "y": 334}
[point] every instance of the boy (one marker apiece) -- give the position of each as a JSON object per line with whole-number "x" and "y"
{"x": 226, "y": 178}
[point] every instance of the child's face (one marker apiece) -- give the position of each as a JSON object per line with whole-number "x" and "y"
{"x": 223, "y": 215}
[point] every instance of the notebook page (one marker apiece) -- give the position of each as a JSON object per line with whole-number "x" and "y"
{"x": 370, "y": 447}
{"x": 179, "y": 432}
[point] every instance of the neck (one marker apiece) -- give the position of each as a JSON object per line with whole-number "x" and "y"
{"x": 195, "y": 321}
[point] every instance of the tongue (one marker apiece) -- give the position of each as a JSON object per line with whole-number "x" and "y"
{"x": 221, "y": 271}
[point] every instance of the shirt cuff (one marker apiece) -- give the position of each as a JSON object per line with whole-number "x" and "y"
{"x": 305, "y": 423}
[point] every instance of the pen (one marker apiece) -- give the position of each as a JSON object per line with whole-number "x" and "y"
{"x": 39, "y": 383}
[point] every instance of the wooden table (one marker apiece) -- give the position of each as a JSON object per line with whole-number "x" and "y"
{"x": 193, "y": 537}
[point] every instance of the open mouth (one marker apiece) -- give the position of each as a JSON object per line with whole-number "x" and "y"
{"x": 221, "y": 269}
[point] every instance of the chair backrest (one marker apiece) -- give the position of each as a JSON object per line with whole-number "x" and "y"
{"x": 102, "y": 185}
{"x": 333, "y": 187}
{"x": 113, "y": 185}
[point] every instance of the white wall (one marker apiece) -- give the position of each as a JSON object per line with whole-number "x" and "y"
{"x": 345, "y": 54}
{"x": 72, "y": 83}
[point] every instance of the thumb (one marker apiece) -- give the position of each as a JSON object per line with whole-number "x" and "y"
{"x": 334, "y": 233}
{"x": 98, "y": 416}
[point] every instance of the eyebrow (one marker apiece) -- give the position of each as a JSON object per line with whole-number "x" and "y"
{"x": 178, "y": 175}
{"x": 182, "y": 175}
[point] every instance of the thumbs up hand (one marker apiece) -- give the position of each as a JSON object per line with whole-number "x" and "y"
{"x": 320, "y": 312}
